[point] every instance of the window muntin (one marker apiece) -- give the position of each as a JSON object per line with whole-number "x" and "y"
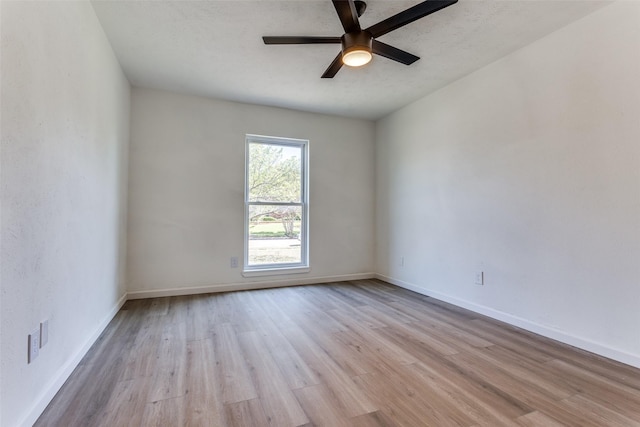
{"x": 276, "y": 204}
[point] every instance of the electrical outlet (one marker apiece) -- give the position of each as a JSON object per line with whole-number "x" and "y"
{"x": 44, "y": 333}
{"x": 480, "y": 278}
{"x": 234, "y": 262}
{"x": 33, "y": 345}
{"x": 401, "y": 261}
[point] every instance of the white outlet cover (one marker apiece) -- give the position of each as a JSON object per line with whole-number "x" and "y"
{"x": 44, "y": 333}
{"x": 33, "y": 345}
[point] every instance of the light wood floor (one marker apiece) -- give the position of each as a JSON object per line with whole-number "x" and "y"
{"x": 347, "y": 354}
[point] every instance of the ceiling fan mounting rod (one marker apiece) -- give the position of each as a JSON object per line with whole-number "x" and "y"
{"x": 360, "y": 7}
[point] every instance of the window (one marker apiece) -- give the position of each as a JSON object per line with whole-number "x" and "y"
{"x": 276, "y": 205}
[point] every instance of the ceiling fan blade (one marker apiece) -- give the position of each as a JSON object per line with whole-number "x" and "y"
{"x": 299, "y": 40}
{"x": 408, "y": 16}
{"x": 394, "y": 53}
{"x": 333, "y": 68}
{"x": 348, "y": 15}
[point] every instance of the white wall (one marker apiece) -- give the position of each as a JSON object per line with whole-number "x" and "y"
{"x": 528, "y": 169}
{"x": 186, "y": 192}
{"x": 65, "y": 118}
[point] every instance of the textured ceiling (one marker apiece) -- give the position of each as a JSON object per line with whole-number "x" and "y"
{"x": 214, "y": 48}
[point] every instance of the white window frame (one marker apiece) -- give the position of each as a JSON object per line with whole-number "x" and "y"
{"x": 280, "y": 268}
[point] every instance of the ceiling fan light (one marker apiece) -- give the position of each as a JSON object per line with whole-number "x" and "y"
{"x": 356, "y": 57}
{"x": 356, "y": 48}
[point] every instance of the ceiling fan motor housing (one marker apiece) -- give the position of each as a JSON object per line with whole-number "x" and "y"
{"x": 356, "y": 42}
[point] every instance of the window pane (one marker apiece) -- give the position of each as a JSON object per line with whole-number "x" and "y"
{"x": 274, "y": 234}
{"x": 275, "y": 173}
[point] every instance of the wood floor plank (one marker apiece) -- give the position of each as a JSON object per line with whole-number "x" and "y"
{"x": 294, "y": 369}
{"x": 321, "y": 406}
{"x": 162, "y": 413}
{"x": 436, "y": 395}
{"x": 68, "y": 408}
{"x": 505, "y": 338}
{"x": 524, "y": 342}
{"x": 449, "y": 311}
{"x": 373, "y": 291}
{"x": 346, "y": 292}
{"x": 554, "y": 389}
{"x": 254, "y": 304}
{"x": 339, "y": 298}
{"x": 401, "y": 401}
{"x": 377, "y": 308}
{"x": 361, "y": 353}
{"x": 526, "y": 371}
{"x": 342, "y": 353}
{"x": 373, "y": 353}
{"x": 197, "y": 319}
{"x": 203, "y": 399}
{"x": 158, "y": 306}
{"x": 169, "y": 377}
{"x": 278, "y": 401}
{"x": 325, "y": 343}
{"x": 123, "y": 333}
{"x": 387, "y": 318}
{"x": 384, "y": 348}
{"x": 486, "y": 409}
{"x": 470, "y": 383}
{"x": 529, "y": 393}
{"x": 537, "y": 419}
{"x": 127, "y": 404}
{"x": 421, "y": 344}
{"x": 280, "y": 313}
{"x": 243, "y": 318}
{"x": 232, "y": 371}
{"x": 246, "y": 413}
{"x": 317, "y": 297}
{"x": 140, "y": 360}
{"x": 324, "y": 324}
{"x": 372, "y": 419}
{"x": 599, "y": 413}
{"x": 614, "y": 371}
{"x": 178, "y": 309}
{"x": 603, "y": 390}
{"x": 360, "y": 317}
{"x": 350, "y": 397}
{"x": 221, "y": 309}
{"x": 446, "y": 331}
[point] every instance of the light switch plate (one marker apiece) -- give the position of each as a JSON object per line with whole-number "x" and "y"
{"x": 33, "y": 345}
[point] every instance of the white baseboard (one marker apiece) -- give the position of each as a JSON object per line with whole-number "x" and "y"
{"x": 243, "y": 286}
{"x": 582, "y": 343}
{"x": 65, "y": 371}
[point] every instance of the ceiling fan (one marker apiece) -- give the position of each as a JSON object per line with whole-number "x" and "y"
{"x": 358, "y": 45}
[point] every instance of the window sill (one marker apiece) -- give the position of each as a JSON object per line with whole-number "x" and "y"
{"x": 275, "y": 271}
